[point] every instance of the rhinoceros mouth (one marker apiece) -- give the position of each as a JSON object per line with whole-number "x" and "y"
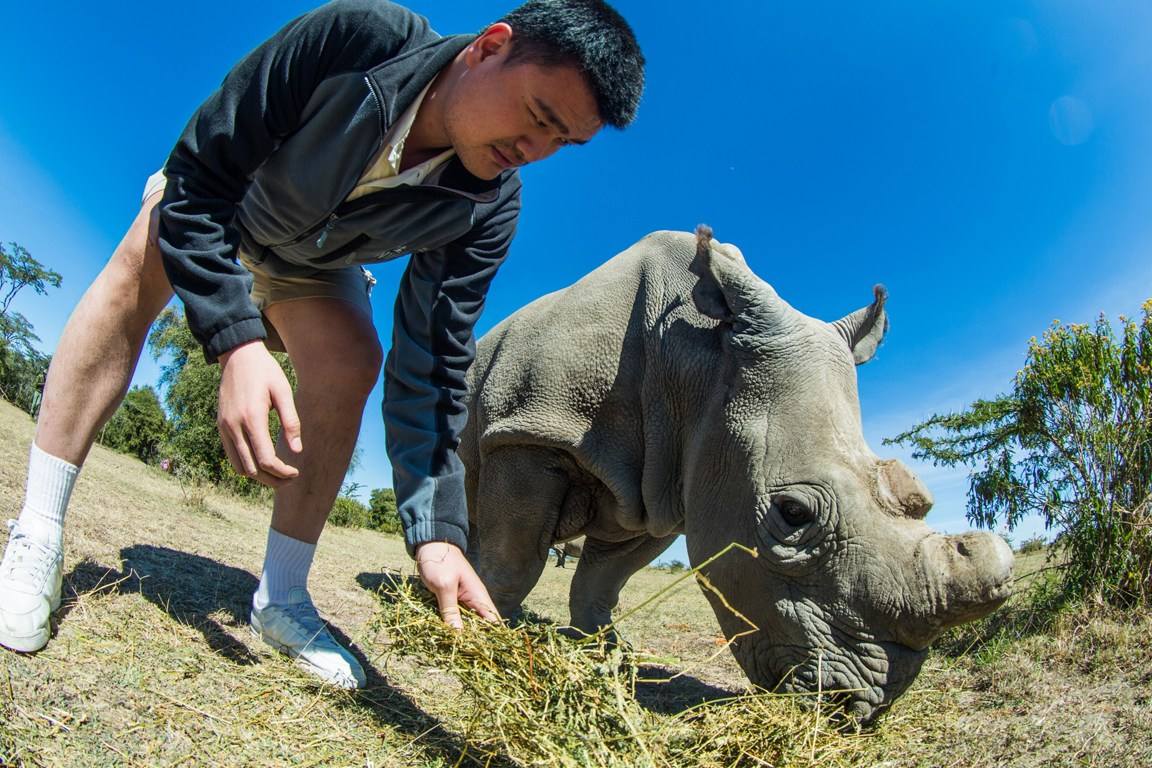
{"x": 857, "y": 683}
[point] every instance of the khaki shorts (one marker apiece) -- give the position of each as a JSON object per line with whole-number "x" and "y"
{"x": 352, "y": 284}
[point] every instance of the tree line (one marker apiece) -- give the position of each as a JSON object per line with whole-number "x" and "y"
{"x": 1071, "y": 440}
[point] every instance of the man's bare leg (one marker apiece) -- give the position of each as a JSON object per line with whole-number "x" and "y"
{"x": 337, "y": 357}
{"x": 88, "y": 377}
{"x": 98, "y": 351}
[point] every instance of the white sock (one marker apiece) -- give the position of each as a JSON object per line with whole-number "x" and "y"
{"x": 286, "y": 565}
{"x": 50, "y": 482}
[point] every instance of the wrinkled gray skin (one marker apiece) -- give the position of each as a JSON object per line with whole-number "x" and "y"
{"x": 672, "y": 391}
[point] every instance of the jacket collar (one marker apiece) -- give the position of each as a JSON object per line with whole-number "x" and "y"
{"x": 398, "y": 81}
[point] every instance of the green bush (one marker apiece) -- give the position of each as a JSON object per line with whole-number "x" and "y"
{"x": 384, "y": 517}
{"x": 349, "y": 513}
{"x": 1032, "y": 544}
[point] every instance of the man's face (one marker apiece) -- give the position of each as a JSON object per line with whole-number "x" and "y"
{"x": 500, "y": 115}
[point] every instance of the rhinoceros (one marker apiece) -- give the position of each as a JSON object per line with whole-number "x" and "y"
{"x": 673, "y": 391}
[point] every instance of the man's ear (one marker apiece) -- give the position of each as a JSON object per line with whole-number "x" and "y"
{"x": 492, "y": 41}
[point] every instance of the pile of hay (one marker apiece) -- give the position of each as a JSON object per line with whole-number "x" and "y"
{"x": 535, "y": 697}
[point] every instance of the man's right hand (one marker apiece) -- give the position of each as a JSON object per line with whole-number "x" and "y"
{"x": 252, "y": 384}
{"x": 447, "y": 573}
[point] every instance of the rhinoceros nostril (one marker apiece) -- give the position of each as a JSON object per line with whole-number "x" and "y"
{"x": 962, "y": 548}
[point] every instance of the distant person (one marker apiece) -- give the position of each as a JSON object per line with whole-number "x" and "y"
{"x": 355, "y": 135}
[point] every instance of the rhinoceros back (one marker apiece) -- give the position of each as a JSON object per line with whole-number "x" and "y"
{"x": 551, "y": 369}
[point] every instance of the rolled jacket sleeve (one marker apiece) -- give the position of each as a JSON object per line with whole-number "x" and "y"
{"x": 441, "y": 297}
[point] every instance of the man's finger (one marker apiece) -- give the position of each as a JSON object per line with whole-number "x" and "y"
{"x": 236, "y": 448}
{"x": 449, "y": 610}
{"x": 271, "y": 480}
{"x": 475, "y": 596}
{"x": 285, "y": 407}
{"x": 230, "y": 452}
{"x": 486, "y": 611}
{"x": 266, "y": 459}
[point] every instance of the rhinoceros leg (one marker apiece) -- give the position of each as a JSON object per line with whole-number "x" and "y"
{"x": 602, "y": 572}
{"x": 518, "y": 499}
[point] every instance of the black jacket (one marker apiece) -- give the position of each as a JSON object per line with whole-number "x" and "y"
{"x": 266, "y": 164}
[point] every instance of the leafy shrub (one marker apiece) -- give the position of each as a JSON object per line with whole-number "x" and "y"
{"x": 349, "y": 513}
{"x": 1032, "y": 544}
{"x": 384, "y": 517}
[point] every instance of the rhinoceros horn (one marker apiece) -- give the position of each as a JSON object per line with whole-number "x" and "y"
{"x": 727, "y": 290}
{"x": 864, "y": 329}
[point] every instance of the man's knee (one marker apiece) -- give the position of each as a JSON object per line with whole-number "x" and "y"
{"x": 366, "y": 368}
{"x": 347, "y": 357}
{"x": 363, "y": 356}
{"x": 135, "y": 274}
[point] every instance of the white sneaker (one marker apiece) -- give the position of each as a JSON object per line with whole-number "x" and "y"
{"x": 30, "y": 580}
{"x": 295, "y": 628}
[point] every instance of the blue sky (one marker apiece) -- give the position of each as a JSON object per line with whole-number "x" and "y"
{"x": 988, "y": 161}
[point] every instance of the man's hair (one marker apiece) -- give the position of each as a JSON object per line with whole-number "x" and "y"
{"x": 593, "y": 37}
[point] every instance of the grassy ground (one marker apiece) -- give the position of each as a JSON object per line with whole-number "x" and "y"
{"x": 152, "y": 662}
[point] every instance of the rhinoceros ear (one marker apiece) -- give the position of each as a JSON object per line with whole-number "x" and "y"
{"x": 726, "y": 287}
{"x": 864, "y": 329}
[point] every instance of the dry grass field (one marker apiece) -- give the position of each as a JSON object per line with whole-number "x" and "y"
{"x": 152, "y": 662}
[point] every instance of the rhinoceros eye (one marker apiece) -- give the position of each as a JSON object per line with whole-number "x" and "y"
{"x": 794, "y": 512}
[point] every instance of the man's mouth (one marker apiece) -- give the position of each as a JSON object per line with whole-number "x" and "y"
{"x": 503, "y": 160}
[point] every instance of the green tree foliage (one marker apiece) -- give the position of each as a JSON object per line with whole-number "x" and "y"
{"x": 191, "y": 388}
{"x": 139, "y": 426}
{"x": 382, "y": 506}
{"x": 349, "y": 513}
{"x": 18, "y": 270}
{"x": 379, "y": 514}
{"x": 22, "y": 367}
{"x": 1072, "y": 442}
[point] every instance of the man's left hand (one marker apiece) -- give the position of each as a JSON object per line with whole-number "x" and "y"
{"x": 447, "y": 573}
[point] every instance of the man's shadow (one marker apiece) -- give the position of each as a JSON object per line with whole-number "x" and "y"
{"x": 659, "y": 689}
{"x": 213, "y": 598}
{"x": 199, "y": 592}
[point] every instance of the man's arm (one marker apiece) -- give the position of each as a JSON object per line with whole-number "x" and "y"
{"x": 441, "y": 297}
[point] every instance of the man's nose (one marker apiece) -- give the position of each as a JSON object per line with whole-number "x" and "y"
{"x": 530, "y": 149}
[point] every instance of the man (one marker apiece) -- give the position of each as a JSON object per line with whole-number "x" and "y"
{"x": 354, "y": 135}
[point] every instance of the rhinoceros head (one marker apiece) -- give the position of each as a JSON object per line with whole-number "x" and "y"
{"x": 850, "y": 585}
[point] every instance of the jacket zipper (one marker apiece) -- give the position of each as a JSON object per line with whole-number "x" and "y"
{"x": 329, "y": 225}
{"x": 321, "y": 230}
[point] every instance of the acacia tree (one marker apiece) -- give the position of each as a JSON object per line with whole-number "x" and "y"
{"x": 22, "y": 366}
{"x": 1072, "y": 441}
